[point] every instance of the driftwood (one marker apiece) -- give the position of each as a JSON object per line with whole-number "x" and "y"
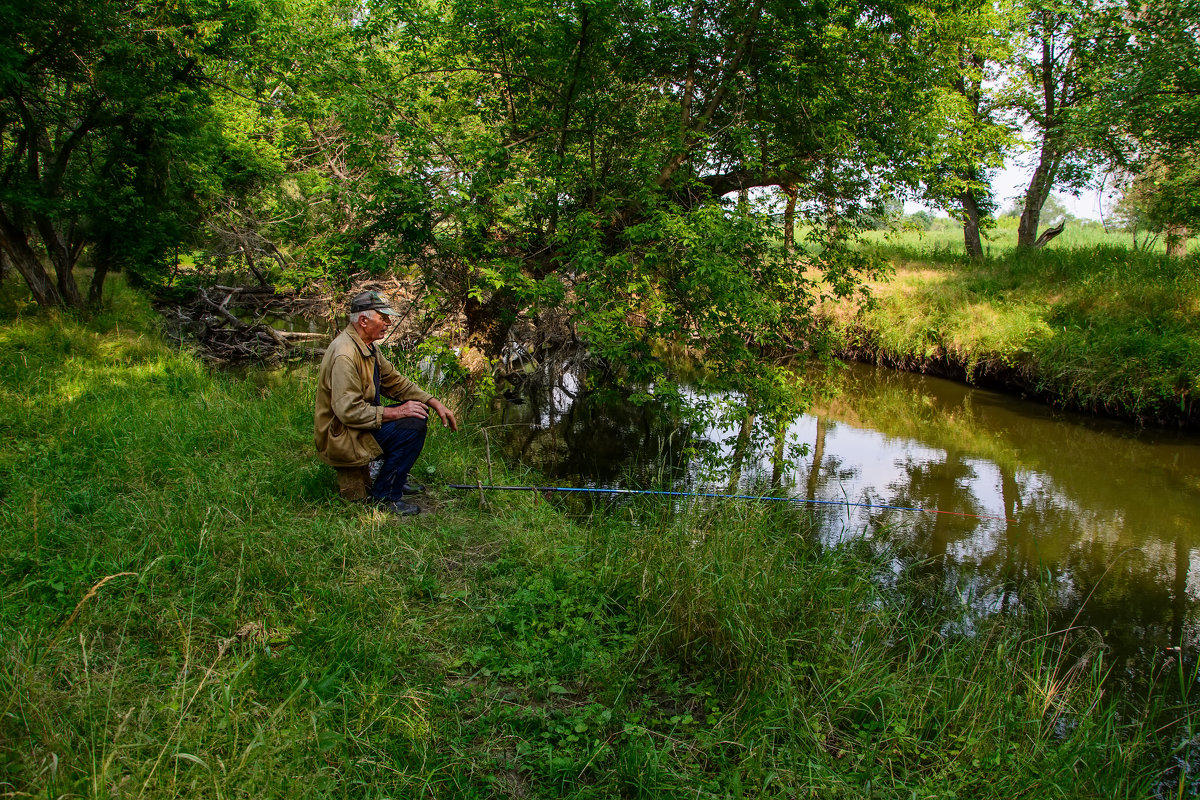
{"x": 301, "y": 336}
{"x": 209, "y": 322}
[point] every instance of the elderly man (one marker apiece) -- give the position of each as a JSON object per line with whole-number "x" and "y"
{"x": 352, "y": 427}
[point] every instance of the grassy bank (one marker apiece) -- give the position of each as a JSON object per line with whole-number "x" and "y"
{"x": 1102, "y": 329}
{"x": 186, "y": 609}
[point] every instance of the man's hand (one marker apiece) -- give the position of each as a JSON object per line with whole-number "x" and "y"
{"x": 444, "y": 414}
{"x": 418, "y": 410}
{"x": 410, "y": 409}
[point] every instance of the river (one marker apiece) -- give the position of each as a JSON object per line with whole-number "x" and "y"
{"x": 1090, "y": 522}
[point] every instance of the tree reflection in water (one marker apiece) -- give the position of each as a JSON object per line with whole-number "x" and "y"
{"x": 1095, "y": 524}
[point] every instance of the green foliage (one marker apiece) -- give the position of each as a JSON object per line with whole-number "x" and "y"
{"x": 1150, "y": 86}
{"x": 971, "y": 134}
{"x": 546, "y": 629}
{"x": 1149, "y": 91}
{"x": 1163, "y": 198}
{"x": 1056, "y": 66}
{"x": 549, "y": 157}
{"x": 107, "y": 144}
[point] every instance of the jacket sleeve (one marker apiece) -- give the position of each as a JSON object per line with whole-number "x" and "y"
{"x": 349, "y": 401}
{"x": 396, "y": 386}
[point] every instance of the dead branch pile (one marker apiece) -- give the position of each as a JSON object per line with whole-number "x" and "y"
{"x": 238, "y": 324}
{"x": 257, "y": 324}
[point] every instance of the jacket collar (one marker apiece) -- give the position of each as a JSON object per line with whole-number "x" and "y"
{"x": 367, "y": 351}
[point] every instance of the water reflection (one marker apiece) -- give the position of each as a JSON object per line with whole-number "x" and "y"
{"x": 585, "y": 436}
{"x": 1100, "y": 514}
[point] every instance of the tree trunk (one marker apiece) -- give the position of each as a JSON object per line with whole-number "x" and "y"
{"x": 1177, "y": 242}
{"x": 694, "y": 126}
{"x": 96, "y": 288}
{"x": 63, "y": 256}
{"x": 789, "y": 219}
{"x": 832, "y": 219}
{"x": 971, "y": 238}
{"x": 247, "y": 251}
{"x": 1043, "y": 177}
{"x": 560, "y": 150}
{"x": 777, "y": 461}
{"x": 969, "y": 83}
{"x": 739, "y": 450}
{"x": 1050, "y": 233}
{"x": 1035, "y": 198}
{"x": 488, "y": 323}
{"x": 22, "y": 256}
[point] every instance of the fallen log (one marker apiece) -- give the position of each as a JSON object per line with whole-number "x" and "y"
{"x": 302, "y": 336}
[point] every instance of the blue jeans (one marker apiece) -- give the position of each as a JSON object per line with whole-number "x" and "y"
{"x": 402, "y": 441}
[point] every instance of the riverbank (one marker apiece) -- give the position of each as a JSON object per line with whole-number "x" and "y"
{"x": 1087, "y": 324}
{"x": 1105, "y": 330}
{"x": 187, "y": 609}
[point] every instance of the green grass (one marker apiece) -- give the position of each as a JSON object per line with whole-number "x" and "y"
{"x": 1101, "y": 329}
{"x": 946, "y": 236}
{"x": 187, "y": 609}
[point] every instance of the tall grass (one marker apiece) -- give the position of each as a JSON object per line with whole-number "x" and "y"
{"x": 187, "y": 609}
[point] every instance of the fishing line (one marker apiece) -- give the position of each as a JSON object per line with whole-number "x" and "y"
{"x": 589, "y": 490}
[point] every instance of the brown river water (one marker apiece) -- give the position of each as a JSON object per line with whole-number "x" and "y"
{"x": 1089, "y": 522}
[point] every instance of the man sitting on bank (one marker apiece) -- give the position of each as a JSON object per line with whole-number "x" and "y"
{"x": 352, "y": 427}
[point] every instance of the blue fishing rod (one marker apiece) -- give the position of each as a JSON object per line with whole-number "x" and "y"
{"x": 804, "y": 500}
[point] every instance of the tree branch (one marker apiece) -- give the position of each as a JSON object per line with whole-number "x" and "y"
{"x": 718, "y": 96}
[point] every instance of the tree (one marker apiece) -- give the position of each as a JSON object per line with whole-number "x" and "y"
{"x": 580, "y": 155}
{"x": 1163, "y": 200}
{"x": 972, "y": 135}
{"x": 1053, "y": 78}
{"x": 1152, "y": 93}
{"x": 576, "y": 156}
{"x": 104, "y": 140}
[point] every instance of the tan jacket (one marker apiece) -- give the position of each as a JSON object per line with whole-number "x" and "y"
{"x": 344, "y": 415}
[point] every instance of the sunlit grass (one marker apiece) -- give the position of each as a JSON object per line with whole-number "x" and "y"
{"x": 1100, "y": 328}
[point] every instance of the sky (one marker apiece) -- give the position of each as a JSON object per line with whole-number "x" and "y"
{"x": 1011, "y": 182}
{"x": 1009, "y": 185}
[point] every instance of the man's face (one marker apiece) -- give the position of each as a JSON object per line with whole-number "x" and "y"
{"x": 373, "y": 325}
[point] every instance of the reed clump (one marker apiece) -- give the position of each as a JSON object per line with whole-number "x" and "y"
{"x": 187, "y": 609}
